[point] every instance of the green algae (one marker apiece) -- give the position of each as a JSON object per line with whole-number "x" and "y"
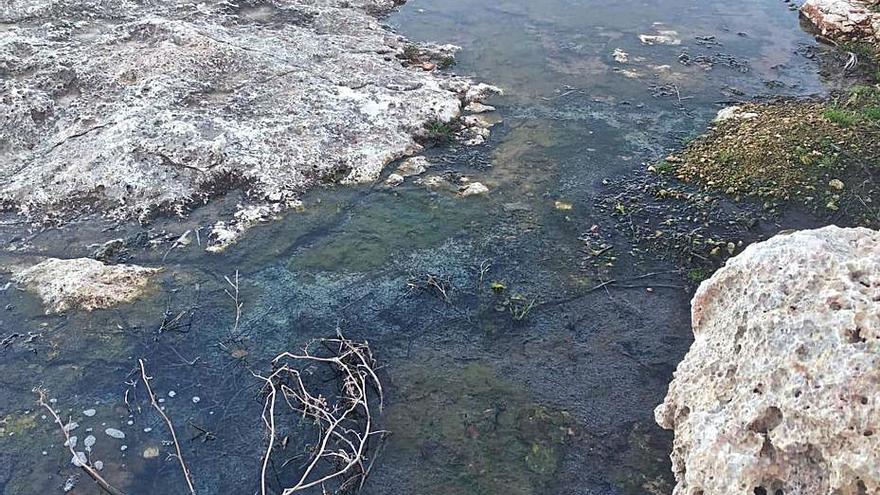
{"x": 482, "y": 433}
{"x": 820, "y": 155}
{"x": 390, "y": 224}
{"x": 642, "y": 469}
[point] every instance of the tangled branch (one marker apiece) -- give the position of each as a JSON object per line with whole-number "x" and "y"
{"x": 346, "y": 423}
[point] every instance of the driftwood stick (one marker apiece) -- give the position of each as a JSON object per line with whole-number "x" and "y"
{"x": 155, "y": 404}
{"x": 85, "y": 465}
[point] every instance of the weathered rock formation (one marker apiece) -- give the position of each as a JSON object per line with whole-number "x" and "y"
{"x": 84, "y": 283}
{"x": 130, "y": 107}
{"x": 845, "y": 20}
{"x": 780, "y": 392}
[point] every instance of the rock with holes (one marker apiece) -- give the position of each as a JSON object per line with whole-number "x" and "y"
{"x": 780, "y": 392}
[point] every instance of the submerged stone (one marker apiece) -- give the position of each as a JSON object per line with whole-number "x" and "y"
{"x": 84, "y": 283}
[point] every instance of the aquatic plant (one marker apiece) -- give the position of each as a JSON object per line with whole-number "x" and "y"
{"x": 439, "y": 132}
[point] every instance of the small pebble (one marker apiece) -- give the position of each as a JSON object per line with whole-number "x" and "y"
{"x": 123, "y": 448}
{"x": 171, "y": 393}
{"x": 79, "y": 460}
{"x": 196, "y": 399}
{"x": 99, "y": 465}
{"x": 89, "y": 412}
{"x": 89, "y": 441}
{"x": 114, "y": 433}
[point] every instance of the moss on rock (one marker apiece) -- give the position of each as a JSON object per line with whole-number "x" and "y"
{"x": 822, "y": 155}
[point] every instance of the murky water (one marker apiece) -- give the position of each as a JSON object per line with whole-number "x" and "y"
{"x": 482, "y": 399}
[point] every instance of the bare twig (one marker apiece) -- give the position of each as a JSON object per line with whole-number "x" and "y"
{"x": 83, "y": 464}
{"x": 485, "y": 266}
{"x": 170, "y": 425}
{"x": 233, "y": 292}
{"x": 345, "y": 425}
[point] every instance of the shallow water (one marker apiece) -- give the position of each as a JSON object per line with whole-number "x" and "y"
{"x": 480, "y": 402}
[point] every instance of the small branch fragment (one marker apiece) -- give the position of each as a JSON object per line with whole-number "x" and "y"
{"x": 83, "y": 464}
{"x": 155, "y": 404}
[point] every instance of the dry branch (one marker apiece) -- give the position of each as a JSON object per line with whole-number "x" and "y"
{"x": 84, "y": 464}
{"x": 158, "y": 408}
{"x": 346, "y": 423}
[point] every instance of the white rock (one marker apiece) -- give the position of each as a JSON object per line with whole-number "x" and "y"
{"x": 84, "y": 283}
{"x": 473, "y": 189}
{"x": 663, "y": 37}
{"x": 477, "y": 107}
{"x": 481, "y": 91}
{"x": 620, "y": 56}
{"x": 734, "y": 112}
{"x": 781, "y": 388}
{"x": 79, "y": 459}
{"x": 480, "y": 121}
{"x": 89, "y": 412}
{"x": 114, "y": 433}
{"x": 173, "y": 103}
{"x": 89, "y": 442}
{"x": 99, "y": 465}
{"x": 844, "y": 19}
{"x": 394, "y": 180}
{"x": 413, "y": 166}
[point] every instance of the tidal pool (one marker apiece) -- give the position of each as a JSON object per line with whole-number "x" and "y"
{"x": 484, "y": 397}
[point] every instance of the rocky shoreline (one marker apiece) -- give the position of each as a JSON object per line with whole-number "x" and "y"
{"x": 778, "y": 392}
{"x": 131, "y": 110}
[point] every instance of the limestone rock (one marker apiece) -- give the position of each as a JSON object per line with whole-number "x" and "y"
{"x": 474, "y": 189}
{"x": 413, "y": 166}
{"x": 844, "y": 19}
{"x": 84, "y": 283}
{"x": 138, "y": 108}
{"x": 734, "y": 112}
{"x": 781, "y": 388}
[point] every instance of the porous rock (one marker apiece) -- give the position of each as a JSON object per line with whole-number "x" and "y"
{"x": 84, "y": 283}
{"x": 780, "y": 392}
{"x": 133, "y": 108}
{"x": 854, "y": 20}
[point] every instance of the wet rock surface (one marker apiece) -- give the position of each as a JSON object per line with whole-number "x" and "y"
{"x": 845, "y": 19}
{"x": 778, "y": 391}
{"x": 84, "y": 283}
{"x": 135, "y": 109}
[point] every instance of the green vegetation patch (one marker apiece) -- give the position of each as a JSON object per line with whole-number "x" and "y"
{"x": 824, "y": 156}
{"x": 474, "y": 432}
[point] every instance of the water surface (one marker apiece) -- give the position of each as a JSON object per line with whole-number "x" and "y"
{"x": 481, "y": 401}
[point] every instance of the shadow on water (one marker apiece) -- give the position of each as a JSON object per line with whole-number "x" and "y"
{"x": 485, "y": 397}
